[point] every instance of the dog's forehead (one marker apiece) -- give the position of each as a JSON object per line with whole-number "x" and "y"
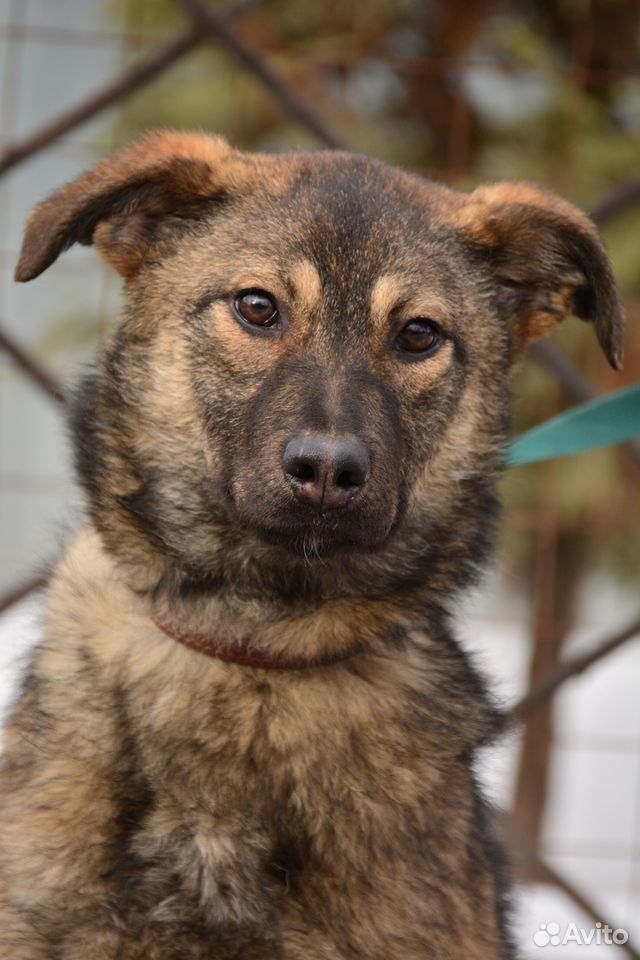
{"x": 343, "y": 220}
{"x": 346, "y": 205}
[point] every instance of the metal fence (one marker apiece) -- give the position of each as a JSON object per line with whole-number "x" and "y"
{"x": 222, "y": 26}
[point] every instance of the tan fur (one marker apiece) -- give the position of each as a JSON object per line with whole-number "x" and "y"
{"x": 390, "y": 291}
{"x": 307, "y": 284}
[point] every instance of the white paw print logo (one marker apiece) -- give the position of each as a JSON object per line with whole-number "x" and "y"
{"x": 547, "y": 934}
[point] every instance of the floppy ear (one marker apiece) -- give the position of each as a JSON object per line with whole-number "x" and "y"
{"x": 548, "y": 262}
{"x": 123, "y": 204}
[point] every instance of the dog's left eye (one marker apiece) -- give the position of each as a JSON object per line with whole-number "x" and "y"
{"x": 421, "y": 337}
{"x": 256, "y": 307}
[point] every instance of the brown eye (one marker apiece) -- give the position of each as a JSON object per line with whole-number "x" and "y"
{"x": 421, "y": 336}
{"x": 256, "y": 307}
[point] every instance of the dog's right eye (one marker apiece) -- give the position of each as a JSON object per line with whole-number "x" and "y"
{"x": 256, "y": 307}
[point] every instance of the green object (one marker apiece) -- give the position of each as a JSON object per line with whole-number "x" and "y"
{"x": 598, "y": 423}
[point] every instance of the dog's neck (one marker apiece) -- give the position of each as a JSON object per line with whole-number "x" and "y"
{"x": 310, "y": 633}
{"x": 262, "y": 633}
{"x": 244, "y": 653}
{"x": 254, "y": 635}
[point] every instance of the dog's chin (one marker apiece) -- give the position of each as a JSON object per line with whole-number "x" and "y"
{"x": 309, "y": 544}
{"x": 319, "y": 539}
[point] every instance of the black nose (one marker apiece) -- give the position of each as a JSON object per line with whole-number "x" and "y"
{"x": 325, "y": 471}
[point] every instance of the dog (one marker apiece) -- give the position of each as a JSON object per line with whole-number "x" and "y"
{"x": 248, "y": 731}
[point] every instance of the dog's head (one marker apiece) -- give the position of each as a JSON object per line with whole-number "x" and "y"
{"x": 309, "y": 387}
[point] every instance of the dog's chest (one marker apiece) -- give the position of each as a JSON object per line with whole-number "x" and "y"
{"x": 254, "y": 780}
{"x": 291, "y": 742}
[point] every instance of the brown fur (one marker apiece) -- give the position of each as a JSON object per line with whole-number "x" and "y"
{"x": 159, "y": 804}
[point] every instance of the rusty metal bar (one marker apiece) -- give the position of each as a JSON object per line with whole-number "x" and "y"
{"x": 21, "y": 593}
{"x": 570, "y": 668}
{"x": 255, "y": 64}
{"x": 131, "y": 79}
{"x": 32, "y": 370}
{"x": 625, "y": 195}
{"x": 557, "y": 363}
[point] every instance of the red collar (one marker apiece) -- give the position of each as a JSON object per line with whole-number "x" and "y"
{"x": 242, "y": 653}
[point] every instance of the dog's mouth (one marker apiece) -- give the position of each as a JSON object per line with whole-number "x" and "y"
{"x": 322, "y": 535}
